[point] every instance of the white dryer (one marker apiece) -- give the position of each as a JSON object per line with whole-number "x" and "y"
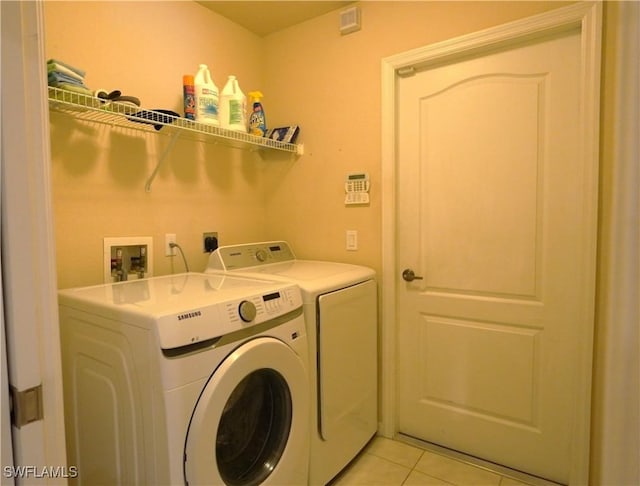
{"x": 340, "y": 307}
{"x": 186, "y": 379}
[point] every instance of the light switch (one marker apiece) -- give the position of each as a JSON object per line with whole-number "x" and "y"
{"x": 352, "y": 240}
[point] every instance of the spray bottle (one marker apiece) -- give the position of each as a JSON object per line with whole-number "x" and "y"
{"x": 189, "y": 92}
{"x": 257, "y": 119}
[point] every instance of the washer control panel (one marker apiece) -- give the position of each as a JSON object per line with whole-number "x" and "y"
{"x": 250, "y": 255}
{"x": 244, "y": 310}
{"x": 263, "y": 307}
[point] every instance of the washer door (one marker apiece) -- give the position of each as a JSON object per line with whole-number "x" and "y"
{"x": 250, "y": 424}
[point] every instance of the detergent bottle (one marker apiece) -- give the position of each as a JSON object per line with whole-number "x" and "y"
{"x": 233, "y": 106}
{"x": 207, "y": 97}
{"x": 257, "y": 119}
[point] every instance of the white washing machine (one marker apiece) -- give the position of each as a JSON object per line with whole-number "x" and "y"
{"x": 340, "y": 307}
{"x": 186, "y": 379}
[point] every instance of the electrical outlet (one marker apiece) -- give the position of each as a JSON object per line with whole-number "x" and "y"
{"x": 169, "y": 238}
{"x": 209, "y": 241}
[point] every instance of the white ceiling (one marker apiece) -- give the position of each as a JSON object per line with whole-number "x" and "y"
{"x": 265, "y": 17}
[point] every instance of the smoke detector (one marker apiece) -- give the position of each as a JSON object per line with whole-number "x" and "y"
{"x": 350, "y": 20}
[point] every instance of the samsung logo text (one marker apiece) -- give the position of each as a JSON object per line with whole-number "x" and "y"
{"x": 189, "y": 315}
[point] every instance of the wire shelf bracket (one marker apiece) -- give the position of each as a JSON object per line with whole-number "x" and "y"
{"x": 169, "y": 147}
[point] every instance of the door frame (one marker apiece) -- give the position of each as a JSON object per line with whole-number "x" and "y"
{"x": 29, "y": 290}
{"x": 587, "y": 16}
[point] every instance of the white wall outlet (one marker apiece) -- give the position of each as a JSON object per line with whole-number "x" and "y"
{"x": 352, "y": 240}
{"x": 169, "y": 238}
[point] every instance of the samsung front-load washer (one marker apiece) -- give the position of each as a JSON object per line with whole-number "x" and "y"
{"x": 340, "y": 307}
{"x": 186, "y": 379}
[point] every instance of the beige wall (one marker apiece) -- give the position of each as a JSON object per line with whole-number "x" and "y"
{"x": 143, "y": 49}
{"x": 331, "y": 85}
{"x": 311, "y": 76}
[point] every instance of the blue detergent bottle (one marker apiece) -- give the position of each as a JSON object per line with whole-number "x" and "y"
{"x": 257, "y": 119}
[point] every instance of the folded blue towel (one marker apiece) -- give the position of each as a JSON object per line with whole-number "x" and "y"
{"x": 58, "y": 77}
{"x": 76, "y": 70}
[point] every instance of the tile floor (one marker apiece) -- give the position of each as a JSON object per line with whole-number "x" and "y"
{"x": 387, "y": 462}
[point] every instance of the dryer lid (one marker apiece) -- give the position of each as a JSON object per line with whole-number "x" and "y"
{"x": 275, "y": 260}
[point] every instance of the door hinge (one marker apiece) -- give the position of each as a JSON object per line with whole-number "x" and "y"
{"x": 405, "y": 72}
{"x": 26, "y": 406}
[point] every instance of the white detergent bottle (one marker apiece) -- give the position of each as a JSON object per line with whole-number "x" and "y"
{"x": 207, "y": 97}
{"x": 233, "y": 104}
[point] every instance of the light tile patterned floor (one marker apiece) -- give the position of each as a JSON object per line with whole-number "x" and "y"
{"x": 386, "y": 462}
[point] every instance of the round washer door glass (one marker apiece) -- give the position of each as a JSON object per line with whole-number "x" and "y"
{"x": 250, "y": 424}
{"x": 254, "y": 428}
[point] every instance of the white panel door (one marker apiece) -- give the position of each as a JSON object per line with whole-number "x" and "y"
{"x": 491, "y": 215}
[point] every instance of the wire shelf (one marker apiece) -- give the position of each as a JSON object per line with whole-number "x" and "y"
{"x": 92, "y": 109}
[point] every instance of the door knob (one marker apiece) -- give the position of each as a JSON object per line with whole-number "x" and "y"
{"x": 409, "y": 275}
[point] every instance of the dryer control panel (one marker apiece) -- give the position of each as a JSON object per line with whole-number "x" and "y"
{"x": 236, "y": 257}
